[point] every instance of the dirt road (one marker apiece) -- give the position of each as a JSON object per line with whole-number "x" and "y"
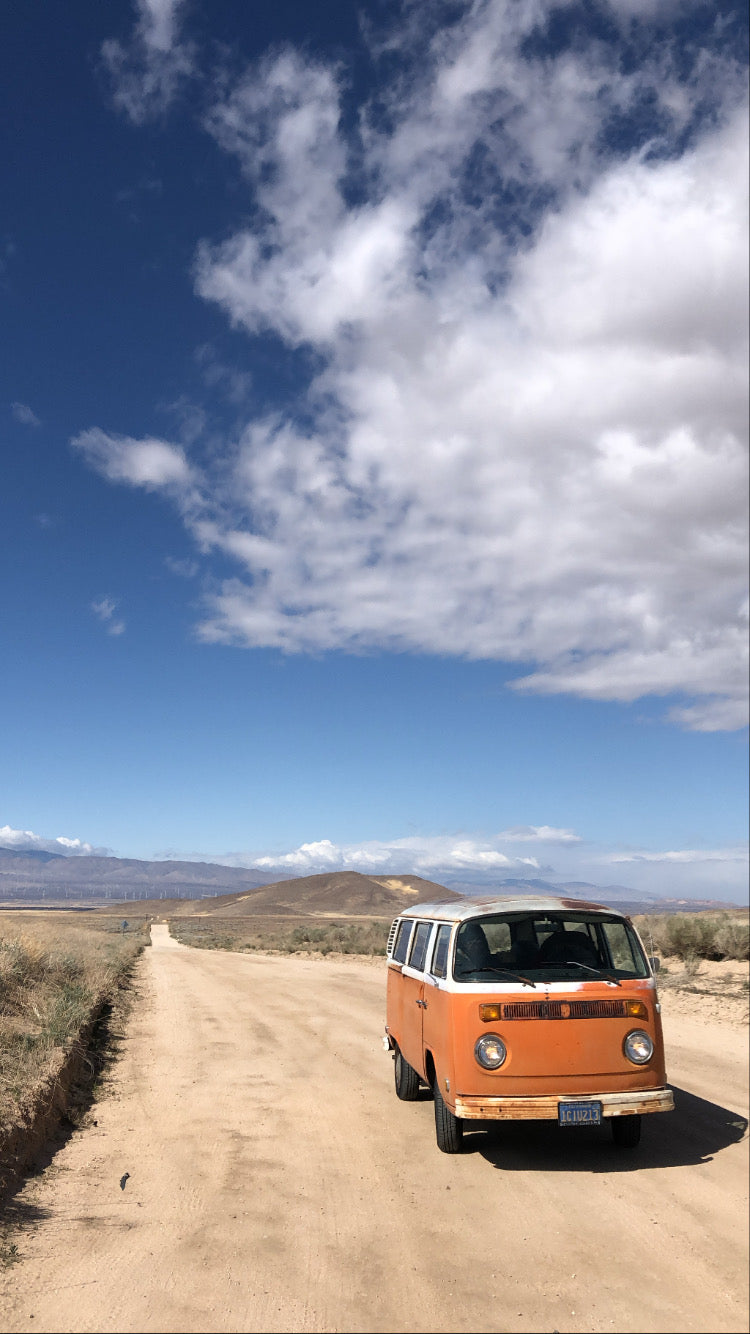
{"x": 276, "y": 1183}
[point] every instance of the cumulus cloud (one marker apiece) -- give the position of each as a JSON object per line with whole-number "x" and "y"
{"x": 416, "y": 854}
{"x": 147, "y": 71}
{"x": 527, "y": 437}
{"x": 104, "y": 609}
{"x": 25, "y": 841}
{"x": 24, "y": 414}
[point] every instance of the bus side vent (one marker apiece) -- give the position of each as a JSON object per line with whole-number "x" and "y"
{"x": 391, "y": 938}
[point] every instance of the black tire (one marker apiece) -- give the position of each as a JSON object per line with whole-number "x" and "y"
{"x": 406, "y": 1079}
{"x": 626, "y": 1131}
{"x": 449, "y": 1131}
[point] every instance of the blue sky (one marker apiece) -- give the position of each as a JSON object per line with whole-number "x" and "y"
{"x": 374, "y": 424}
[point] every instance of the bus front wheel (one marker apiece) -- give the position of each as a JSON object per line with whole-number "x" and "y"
{"x": 449, "y": 1130}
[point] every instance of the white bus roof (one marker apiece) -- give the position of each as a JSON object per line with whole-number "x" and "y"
{"x": 458, "y": 910}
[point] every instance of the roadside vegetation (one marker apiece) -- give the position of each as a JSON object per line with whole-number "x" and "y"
{"x": 703, "y": 953}
{"x": 57, "y": 971}
{"x": 283, "y": 935}
{"x": 686, "y": 937}
{"x": 698, "y": 935}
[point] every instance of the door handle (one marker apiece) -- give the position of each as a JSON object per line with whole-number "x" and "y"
{"x": 422, "y": 1003}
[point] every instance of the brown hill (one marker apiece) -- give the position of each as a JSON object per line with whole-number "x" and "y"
{"x": 335, "y": 894}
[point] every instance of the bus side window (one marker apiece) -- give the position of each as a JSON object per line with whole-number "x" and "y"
{"x": 440, "y": 952}
{"x": 419, "y": 948}
{"x": 401, "y": 946}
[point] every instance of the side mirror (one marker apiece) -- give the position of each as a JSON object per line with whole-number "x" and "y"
{"x": 655, "y": 963}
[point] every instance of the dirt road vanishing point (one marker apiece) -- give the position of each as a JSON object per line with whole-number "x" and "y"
{"x": 248, "y": 1167}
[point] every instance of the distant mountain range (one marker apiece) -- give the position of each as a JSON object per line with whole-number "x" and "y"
{"x": 35, "y": 854}
{"x": 30, "y": 874}
{"x": 31, "y": 877}
{"x": 623, "y": 897}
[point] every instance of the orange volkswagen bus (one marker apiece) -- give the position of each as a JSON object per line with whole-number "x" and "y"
{"x": 523, "y": 1008}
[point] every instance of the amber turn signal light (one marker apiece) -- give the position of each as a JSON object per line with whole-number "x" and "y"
{"x": 490, "y": 1014}
{"x": 636, "y": 1010}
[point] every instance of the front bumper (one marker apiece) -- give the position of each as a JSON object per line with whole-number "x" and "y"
{"x": 545, "y": 1108}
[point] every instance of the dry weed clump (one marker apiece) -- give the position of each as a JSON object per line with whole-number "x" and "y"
{"x": 699, "y": 935}
{"x": 55, "y": 973}
{"x": 368, "y": 937}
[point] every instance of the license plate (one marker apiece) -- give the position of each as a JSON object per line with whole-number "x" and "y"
{"x": 579, "y": 1113}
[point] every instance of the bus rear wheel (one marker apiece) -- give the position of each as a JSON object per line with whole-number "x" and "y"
{"x": 406, "y": 1079}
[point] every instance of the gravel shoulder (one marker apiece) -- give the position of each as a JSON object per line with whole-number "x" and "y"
{"x": 275, "y": 1183}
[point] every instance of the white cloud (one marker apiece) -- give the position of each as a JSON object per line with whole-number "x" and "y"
{"x": 105, "y": 608}
{"x": 684, "y": 856}
{"x": 713, "y": 715}
{"x": 153, "y": 464}
{"x": 147, "y": 71}
{"x": 527, "y": 438}
{"x": 24, "y": 414}
{"x": 691, "y": 873}
{"x": 158, "y": 23}
{"x": 420, "y": 855}
{"x": 24, "y": 840}
{"x": 719, "y": 874}
{"x": 322, "y": 855}
{"x": 542, "y": 833}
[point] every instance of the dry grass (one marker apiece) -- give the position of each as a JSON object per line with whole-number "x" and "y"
{"x": 56, "y": 970}
{"x": 284, "y": 935}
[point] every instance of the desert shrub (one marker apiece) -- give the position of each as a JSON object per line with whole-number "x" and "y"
{"x": 692, "y": 963}
{"x": 702, "y": 935}
{"x": 733, "y": 939}
{"x": 691, "y": 936}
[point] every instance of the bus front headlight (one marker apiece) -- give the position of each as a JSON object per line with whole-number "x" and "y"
{"x": 638, "y": 1047}
{"x": 490, "y": 1051}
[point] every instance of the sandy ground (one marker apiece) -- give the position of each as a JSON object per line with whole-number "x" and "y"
{"x": 277, "y": 1184}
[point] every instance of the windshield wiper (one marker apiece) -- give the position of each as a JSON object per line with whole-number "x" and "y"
{"x": 598, "y": 972}
{"x": 504, "y": 972}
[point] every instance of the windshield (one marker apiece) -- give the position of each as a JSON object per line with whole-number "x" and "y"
{"x": 539, "y": 947}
